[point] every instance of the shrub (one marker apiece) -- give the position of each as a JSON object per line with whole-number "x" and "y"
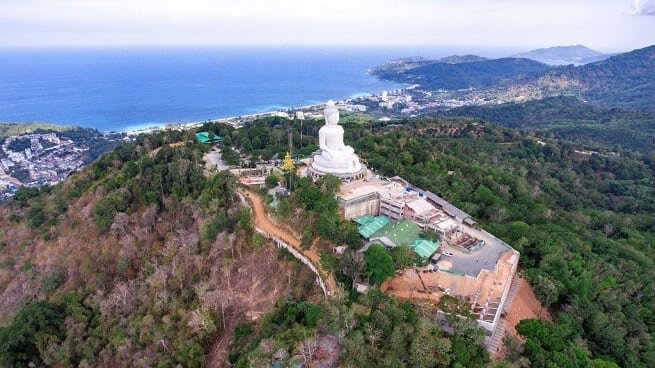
{"x": 18, "y": 340}
{"x": 379, "y": 263}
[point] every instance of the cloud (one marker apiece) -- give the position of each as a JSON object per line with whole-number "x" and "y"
{"x": 643, "y": 7}
{"x": 515, "y": 23}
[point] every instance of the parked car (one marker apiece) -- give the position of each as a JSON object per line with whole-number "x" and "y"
{"x": 447, "y": 254}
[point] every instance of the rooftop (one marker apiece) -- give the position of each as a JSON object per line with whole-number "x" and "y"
{"x": 424, "y": 248}
{"x": 401, "y": 232}
{"x": 369, "y": 225}
{"x": 204, "y": 137}
{"x": 447, "y": 207}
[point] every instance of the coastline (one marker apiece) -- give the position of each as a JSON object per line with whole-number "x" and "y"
{"x": 235, "y": 120}
{"x": 239, "y": 120}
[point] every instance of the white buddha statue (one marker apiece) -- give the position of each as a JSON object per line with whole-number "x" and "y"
{"x": 330, "y": 136}
{"x": 335, "y": 157}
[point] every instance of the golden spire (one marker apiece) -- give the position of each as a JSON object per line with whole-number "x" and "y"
{"x": 288, "y": 163}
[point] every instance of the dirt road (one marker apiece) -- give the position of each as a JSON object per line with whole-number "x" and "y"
{"x": 265, "y": 223}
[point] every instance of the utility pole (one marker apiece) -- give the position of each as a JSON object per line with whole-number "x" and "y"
{"x": 302, "y": 114}
{"x": 302, "y": 118}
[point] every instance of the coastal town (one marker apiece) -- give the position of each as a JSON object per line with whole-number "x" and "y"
{"x": 40, "y": 159}
{"x": 407, "y": 102}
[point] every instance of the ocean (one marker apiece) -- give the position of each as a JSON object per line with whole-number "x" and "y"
{"x": 118, "y": 89}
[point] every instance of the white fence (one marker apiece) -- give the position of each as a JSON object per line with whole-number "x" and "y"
{"x": 281, "y": 244}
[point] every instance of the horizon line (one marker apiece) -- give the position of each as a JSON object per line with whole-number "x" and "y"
{"x": 312, "y": 46}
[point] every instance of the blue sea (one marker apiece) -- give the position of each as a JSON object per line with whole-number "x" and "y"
{"x": 117, "y": 89}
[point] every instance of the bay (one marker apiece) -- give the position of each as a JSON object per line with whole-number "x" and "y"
{"x": 118, "y": 89}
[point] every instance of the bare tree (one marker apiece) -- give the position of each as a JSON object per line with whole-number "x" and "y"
{"x": 149, "y": 218}
{"x": 307, "y": 348}
{"x": 119, "y": 226}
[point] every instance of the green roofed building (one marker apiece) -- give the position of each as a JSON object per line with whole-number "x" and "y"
{"x": 369, "y": 225}
{"x": 424, "y": 248}
{"x": 363, "y": 220}
{"x": 396, "y": 233}
{"x": 204, "y": 137}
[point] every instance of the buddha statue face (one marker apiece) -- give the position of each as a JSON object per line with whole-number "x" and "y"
{"x": 331, "y": 113}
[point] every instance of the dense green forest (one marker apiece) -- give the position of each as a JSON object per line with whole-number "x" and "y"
{"x": 625, "y": 80}
{"x": 101, "y": 252}
{"x": 584, "y": 224}
{"x": 571, "y": 119}
{"x": 380, "y": 332}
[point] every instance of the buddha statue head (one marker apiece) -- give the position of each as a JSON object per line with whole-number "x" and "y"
{"x": 331, "y": 113}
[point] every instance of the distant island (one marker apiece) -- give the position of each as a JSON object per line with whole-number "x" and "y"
{"x": 564, "y": 55}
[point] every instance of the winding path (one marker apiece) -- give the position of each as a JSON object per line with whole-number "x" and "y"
{"x": 267, "y": 226}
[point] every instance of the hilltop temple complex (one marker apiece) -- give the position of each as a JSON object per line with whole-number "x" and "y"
{"x": 465, "y": 261}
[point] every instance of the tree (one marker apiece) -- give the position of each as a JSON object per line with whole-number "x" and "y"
{"x": 18, "y": 341}
{"x": 513, "y": 347}
{"x": 36, "y": 215}
{"x": 245, "y": 220}
{"x": 428, "y": 347}
{"x": 349, "y": 265}
{"x": 326, "y": 227}
{"x": 329, "y": 184}
{"x": 546, "y": 290}
{"x": 379, "y": 263}
{"x": 349, "y": 234}
{"x": 307, "y": 348}
{"x": 271, "y": 181}
{"x": 403, "y": 257}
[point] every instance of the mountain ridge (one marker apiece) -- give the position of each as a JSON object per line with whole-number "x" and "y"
{"x": 464, "y": 75}
{"x": 624, "y": 80}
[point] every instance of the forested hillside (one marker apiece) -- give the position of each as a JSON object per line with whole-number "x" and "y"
{"x": 474, "y": 74}
{"x": 584, "y": 225}
{"x": 142, "y": 260}
{"x": 572, "y": 119}
{"x": 564, "y": 55}
{"x": 625, "y": 80}
{"x": 138, "y": 260}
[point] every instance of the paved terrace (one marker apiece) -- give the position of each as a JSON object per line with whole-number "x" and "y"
{"x": 473, "y": 263}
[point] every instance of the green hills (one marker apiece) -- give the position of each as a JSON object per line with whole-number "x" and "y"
{"x": 463, "y": 75}
{"x": 625, "y": 80}
{"x": 570, "y": 118}
{"x": 145, "y": 259}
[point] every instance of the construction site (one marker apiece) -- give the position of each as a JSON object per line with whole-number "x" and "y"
{"x": 466, "y": 261}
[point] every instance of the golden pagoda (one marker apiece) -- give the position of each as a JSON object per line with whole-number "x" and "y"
{"x": 288, "y": 163}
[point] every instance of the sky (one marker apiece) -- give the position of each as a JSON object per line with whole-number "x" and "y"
{"x": 605, "y": 25}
